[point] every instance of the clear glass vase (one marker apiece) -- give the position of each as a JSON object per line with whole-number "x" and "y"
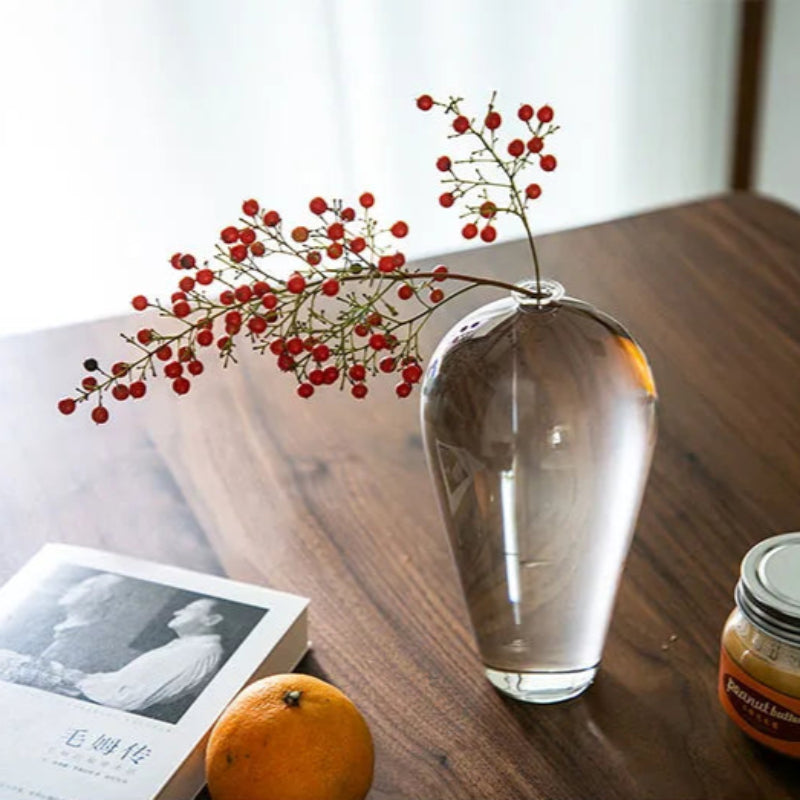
{"x": 539, "y": 424}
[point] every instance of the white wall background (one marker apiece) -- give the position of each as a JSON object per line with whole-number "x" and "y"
{"x": 778, "y": 166}
{"x": 135, "y": 128}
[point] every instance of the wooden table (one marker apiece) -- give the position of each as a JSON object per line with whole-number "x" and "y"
{"x": 330, "y": 498}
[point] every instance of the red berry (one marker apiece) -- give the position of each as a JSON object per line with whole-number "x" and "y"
{"x": 361, "y": 330}
{"x": 357, "y": 372}
{"x": 516, "y": 148}
{"x": 317, "y": 377}
{"x": 185, "y": 354}
{"x": 412, "y": 373}
{"x": 296, "y": 283}
{"x": 247, "y": 236}
{"x": 359, "y": 391}
{"x": 144, "y": 336}
{"x": 181, "y": 309}
{"x": 186, "y": 284}
{"x": 277, "y": 347}
{"x": 269, "y": 301}
{"x": 358, "y": 244}
{"x": 175, "y": 260}
{"x": 181, "y": 385}
{"x": 258, "y": 249}
{"x": 330, "y": 287}
{"x": 188, "y": 262}
{"x": 271, "y": 219}
{"x": 100, "y": 414}
{"x": 195, "y": 367}
{"x": 399, "y": 229}
{"x": 461, "y": 124}
{"x": 533, "y": 190}
{"x": 229, "y": 235}
{"x": 89, "y": 383}
{"x": 305, "y": 390}
{"x": 205, "y": 338}
{"x": 139, "y": 302}
{"x": 493, "y": 120}
{"x": 424, "y": 102}
{"x": 321, "y": 353}
{"x": 173, "y": 369}
{"x": 403, "y": 389}
{"x": 469, "y": 231}
{"x": 178, "y": 296}
{"x": 295, "y": 345}
{"x": 238, "y": 253}
{"x": 386, "y": 264}
{"x": 489, "y": 234}
{"x": 536, "y": 144}
{"x": 299, "y": 234}
{"x": 334, "y": 250}
{"x": 547, "y": 163}
{"x": 224, "y": 343}
{"x": 446, "y": 200}
{"x": 377, "y": 341}
{"x": 314, "y": 258}
{"x": 387, "y": 364}
{"x": 374, "y": 318}
{"x": 525, "y": 112}
{"x": 164, "y": 353}
{"x": 331, "y": 374}
{"x": 443, "y": 164}
{"x": 405, "y": 292}
{"x": 436, "y": 296}
{"x": 285, "y": 362}
{"x": 545, "y": 114}
{"x": 348, "y": 214}
{"x": 243, "y": 293}
{"x": 367, "y": 200}
{"x": 260, "y": 288}
{"x": 440, "y": 271}
{"x": 250, "y": 208}
{"x": 119, "y": 369}
{"x": 318, "y": 206}
{"x": 226, "y": 297}
{"x": 66, "y": 406}
{"x": 336, "y": 231}
{"x": 138, "y": 389}
{"x": 488, "y": 209}
{"x": 257, "y": 325}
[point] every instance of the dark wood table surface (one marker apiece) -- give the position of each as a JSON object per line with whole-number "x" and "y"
{"x": 330, "y": 498}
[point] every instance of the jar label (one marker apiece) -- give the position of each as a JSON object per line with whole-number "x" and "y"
{"x": 767, "y": 716}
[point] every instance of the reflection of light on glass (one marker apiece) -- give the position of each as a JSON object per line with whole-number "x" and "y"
{"x": 558, "y": 436}
{"x": 638, "y": 363}
{"x": 508, "y": 504}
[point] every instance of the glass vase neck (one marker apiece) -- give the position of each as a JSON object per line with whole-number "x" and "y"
{"x": 547, "y": 294}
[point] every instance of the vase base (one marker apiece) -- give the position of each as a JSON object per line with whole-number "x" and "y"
{"x": 542, "y": 687}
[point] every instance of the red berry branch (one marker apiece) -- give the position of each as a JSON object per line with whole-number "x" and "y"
{"x": 487, "y": 180}
{"x": 351, "y": 310}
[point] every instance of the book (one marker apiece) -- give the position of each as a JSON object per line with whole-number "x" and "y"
{"x": 113, "y": 671}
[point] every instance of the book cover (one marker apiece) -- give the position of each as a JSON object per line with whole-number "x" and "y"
{"x": 113, "y": 670}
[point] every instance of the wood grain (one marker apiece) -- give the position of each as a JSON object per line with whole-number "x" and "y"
{"x": 330, "y": 498}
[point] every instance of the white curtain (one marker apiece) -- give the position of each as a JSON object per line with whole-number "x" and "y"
{"x": 130, "y": 129}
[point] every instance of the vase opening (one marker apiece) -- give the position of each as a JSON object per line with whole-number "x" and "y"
{"x": 548, "y": 294}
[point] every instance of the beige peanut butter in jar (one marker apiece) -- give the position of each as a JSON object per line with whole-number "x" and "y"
{"x": 759, "y": 672}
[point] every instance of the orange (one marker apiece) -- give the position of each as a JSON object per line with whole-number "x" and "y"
{"x": 290, "y": 737}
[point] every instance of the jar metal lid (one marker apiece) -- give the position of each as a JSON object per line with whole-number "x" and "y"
{"x": 768, "y": 592}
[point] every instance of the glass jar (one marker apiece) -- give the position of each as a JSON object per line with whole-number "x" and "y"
{"x": 759, "y": 673}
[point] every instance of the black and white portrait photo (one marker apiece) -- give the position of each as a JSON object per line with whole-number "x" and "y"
{"x": 121, "y": 642}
